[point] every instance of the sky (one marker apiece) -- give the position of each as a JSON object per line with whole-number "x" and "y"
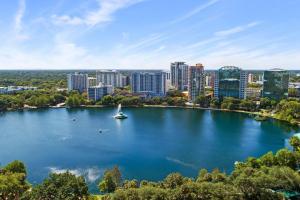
{"x": 149, "y": 34}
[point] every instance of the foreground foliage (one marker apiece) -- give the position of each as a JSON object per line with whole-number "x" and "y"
{"x": 60, "y": 186}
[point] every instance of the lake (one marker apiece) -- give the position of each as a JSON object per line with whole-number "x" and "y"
{"x": 150, "y": 144}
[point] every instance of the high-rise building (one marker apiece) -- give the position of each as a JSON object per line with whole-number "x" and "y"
{"x": 230, "y": 82}
{"x": 78, "y": 81}
{"x": 196, "y": 82}
{"x": 275, "y": 84}
{"x": 150, "y": 84}
{"x": 250, "y": 78}
{"x": 210, "y": 79}
{"x": 110, "y": 77}
{"x": 95, "y": 93}
{"x": 92, "y": 81}
{"x": 179, "y": 75}
{"x": 168, "y": 81}
{"x": 253, "y": 93}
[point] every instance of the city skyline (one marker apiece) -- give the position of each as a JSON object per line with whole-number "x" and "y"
{"x": 127, "y": 34}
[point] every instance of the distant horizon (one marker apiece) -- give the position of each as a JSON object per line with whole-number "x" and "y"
{"x": 129, "y": 69}
{"x": 82, "y": 34}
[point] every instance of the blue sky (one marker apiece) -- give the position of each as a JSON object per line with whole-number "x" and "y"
{"x": 93, "y": 34}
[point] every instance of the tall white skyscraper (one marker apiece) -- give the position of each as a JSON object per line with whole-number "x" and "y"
{"x": 92, "y": 81}
{"x": 110, "y": 77}
{"x": 78, "y": 81}
{"x": 149, "y": 83}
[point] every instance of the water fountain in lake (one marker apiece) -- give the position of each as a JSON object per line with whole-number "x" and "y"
{"x": 120, "y": 114}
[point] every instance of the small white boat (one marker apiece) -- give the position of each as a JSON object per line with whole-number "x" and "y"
{"x": 120, "y": 114}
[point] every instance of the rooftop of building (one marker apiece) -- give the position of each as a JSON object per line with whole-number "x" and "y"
{"x": 276, "y": 70}
{"x": 107, "y": 70}
{"x": 100, "y": 86}
{"x": 230, "y": 68}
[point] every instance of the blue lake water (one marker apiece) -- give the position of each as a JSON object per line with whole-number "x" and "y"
{"x": 150, "y": 144}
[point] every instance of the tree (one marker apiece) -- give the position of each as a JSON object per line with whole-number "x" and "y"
{"x": 58, "y": 98}
{"x": 293, "y": 92}
{"x": 61, "y": 186}
{"x": 255, "y": 184}
{"x": 288, "y": 111}
{"x": 247, "y": 105}
{"x": 107, "y": 100}
{"x": 214, "y": 103}
{"x": 170, "y": 101}
{"x": 173, "y": 180}
{"x": 230, "y": 103}
{"x": 202, "y": 100}
{"x": 205, "y": 190}
{"x": 295, "y": 143}
{"x": 268, "y": 159}
{"x": 111, "y": 180}
{"x": 75, "y": 100}
{"x": 13, "y": 182}
{"x": 15, "y": 167}
{"x": 218, "y": 176}
{"x": 253, "y": 162}
{"x": 286, "y": 158}
{"x": 107, "y": 184}
{"x": 4, "y": 104}
{"x": 130, "y": 184}
{"x": 204, "y": 176}
{"x": 174, "y": 93}
{"x": 265, "y": 103}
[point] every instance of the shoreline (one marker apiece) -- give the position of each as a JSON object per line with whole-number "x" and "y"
{"x": 267, "y": 115}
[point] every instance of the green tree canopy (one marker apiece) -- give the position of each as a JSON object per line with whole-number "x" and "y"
{"x": 61, "y": 186}
{"x": 111, "y": 180}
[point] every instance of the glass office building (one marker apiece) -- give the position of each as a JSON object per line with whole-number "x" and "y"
{"x": 230, "y": 81}
{"x": 276, "y": 84}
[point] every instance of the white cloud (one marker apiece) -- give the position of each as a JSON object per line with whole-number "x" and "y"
{"x": 18, "y": 24}
{"x": 90, "y": 174}
{"x": 104, "y": 14}
{"x": 19, "y": 16}
{"x": 145, "y": 42}
{"x": 237, "y": 29}
{"x": 195, "y": 11}
{"x": 65, "y": 19}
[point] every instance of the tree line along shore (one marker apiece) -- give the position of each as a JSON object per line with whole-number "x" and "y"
{"x": 286, "y": 110}
{"x": 50, "y": 93}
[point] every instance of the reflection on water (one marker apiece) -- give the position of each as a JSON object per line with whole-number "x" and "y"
{"x": 149, "y": 144}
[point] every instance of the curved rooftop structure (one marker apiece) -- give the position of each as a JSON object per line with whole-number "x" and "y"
{"x": 276, "y": 70}
{"x": 230, "y": 68}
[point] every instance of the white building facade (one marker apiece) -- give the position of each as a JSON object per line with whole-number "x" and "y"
{"x": 111, "y": 77}
{"x": 95, "y": 93}
{"x": 150, "y": 84}
{"x": 78, "y": 81}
